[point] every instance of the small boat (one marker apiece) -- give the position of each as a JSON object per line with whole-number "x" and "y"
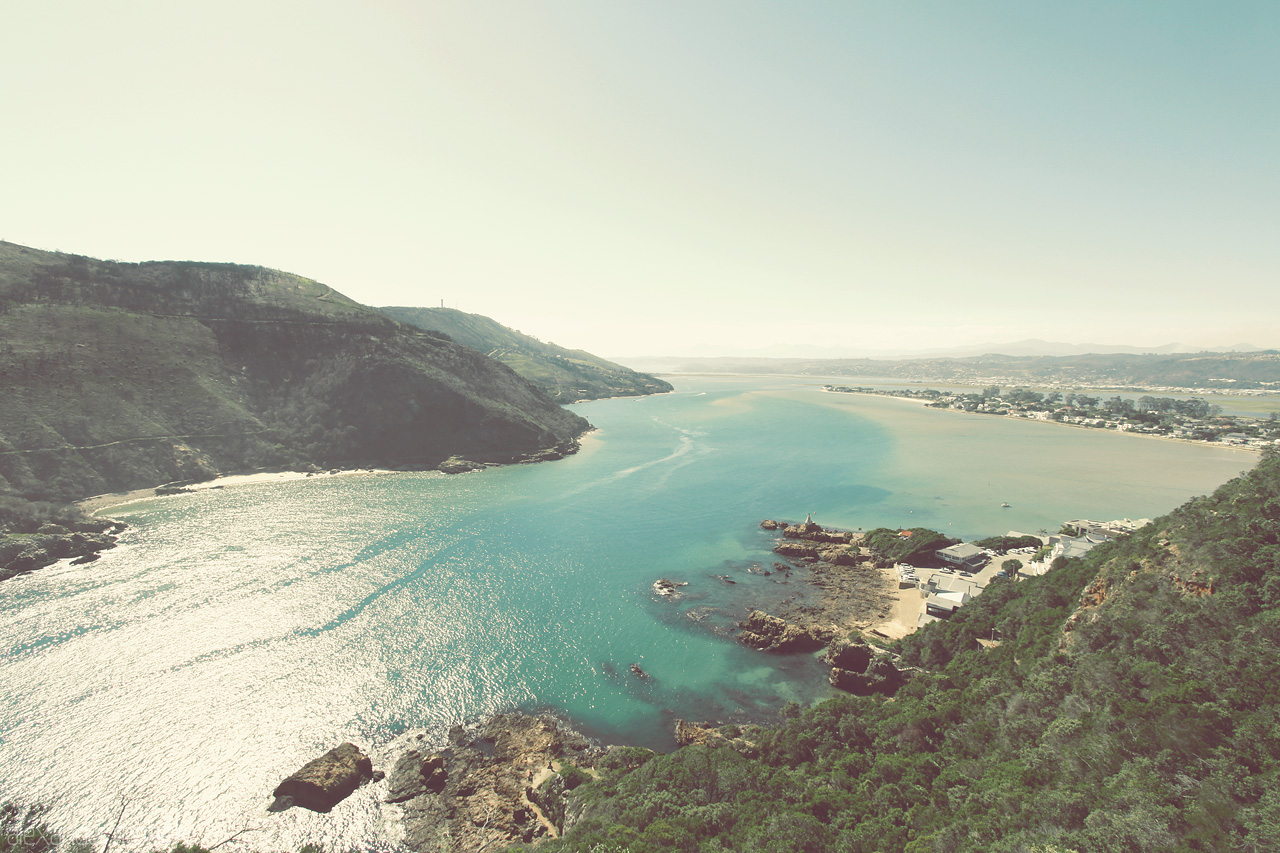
{"x": 1005, "y": 505}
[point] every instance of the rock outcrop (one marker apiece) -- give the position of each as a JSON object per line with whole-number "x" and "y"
{"x": 668, "y": 588}
{"x": 324, "y": 782}
{"x": 799, "y": 550}
{"x": 54, "y": 542}
{"x": 771, "y": 634}
{"x": 705, "y": 734}
{"x": 853, "y": 655}
{"x": 840, "y": 555}
{"x": 483, "y": 790}
{"x": 458, "y": 465}
{"x": 813, "y": 533}
{"x": 415, "y": 774}
{"x": 857, "y": 669}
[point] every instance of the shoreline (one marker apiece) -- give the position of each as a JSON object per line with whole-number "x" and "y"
{"x": 100, "y": 503}
{"x": 924, "y": 404}
{"x": 95, "y": 504}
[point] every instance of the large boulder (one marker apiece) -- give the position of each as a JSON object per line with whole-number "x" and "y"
{"x": 324, "y": 782}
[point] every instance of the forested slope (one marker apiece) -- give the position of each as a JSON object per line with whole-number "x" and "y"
{"x": 119, "y": 376}
{"x": 1130, "y": 705}
{"x": 566, "y": 375}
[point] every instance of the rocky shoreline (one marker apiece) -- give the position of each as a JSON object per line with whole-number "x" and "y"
{"x": 82, "y": 541}
{"x": 853, "y": 594}
{"x": 507, "y": 781}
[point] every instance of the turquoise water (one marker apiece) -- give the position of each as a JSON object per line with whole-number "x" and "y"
{"x": 237, "y": 633}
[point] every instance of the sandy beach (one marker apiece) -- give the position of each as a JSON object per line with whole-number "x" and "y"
{"x": 101, "y": 503}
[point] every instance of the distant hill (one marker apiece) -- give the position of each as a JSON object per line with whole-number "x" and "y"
{"x": 1209, "y": 370}
{"x": 117, "y": 376}
{"x": 566, "y": 375}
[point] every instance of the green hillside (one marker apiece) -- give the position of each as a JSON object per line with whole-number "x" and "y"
{"x": 119, "y": 376}
{"x": 1132, "y": 703}
{"x": 566, "y": 375}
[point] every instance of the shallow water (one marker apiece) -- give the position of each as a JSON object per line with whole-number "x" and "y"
{"x": 237, "y": 633}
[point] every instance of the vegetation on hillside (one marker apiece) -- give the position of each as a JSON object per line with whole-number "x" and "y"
{"x": 119, "y": 376}
{"x": 565, "y": 375}
{"x": 1130, "y": 703}
{"x": 1008, "y": 543}
{"x": 907, "y": 546}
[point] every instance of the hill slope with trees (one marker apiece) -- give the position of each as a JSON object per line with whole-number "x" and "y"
{"x": 121, "y": 375}
{"x": 1131, "y": 703}
{"x": 566, "y": 375}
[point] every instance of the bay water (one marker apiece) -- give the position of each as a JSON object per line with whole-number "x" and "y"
{"x": 237, "y": 633}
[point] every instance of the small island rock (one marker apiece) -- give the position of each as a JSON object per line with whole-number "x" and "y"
{"x": 324, "y": 782}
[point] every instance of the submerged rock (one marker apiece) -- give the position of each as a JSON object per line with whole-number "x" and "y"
{"x": 324, "y": 782}
{"x": 668, "y": 588}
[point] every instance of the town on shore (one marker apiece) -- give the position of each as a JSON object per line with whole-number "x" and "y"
{"x": 1187, "y": 419}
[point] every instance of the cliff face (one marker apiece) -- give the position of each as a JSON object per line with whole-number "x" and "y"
{"x": 120, "y": 376}
{"x": 566, "y": 375}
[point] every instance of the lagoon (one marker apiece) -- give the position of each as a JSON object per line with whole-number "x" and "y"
{"x": 237, "y": 633}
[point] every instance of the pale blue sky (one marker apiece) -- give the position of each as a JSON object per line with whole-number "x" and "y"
{"x": 651, "y": 178}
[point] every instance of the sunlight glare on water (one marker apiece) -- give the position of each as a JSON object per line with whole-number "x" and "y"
{"x": 237, "y": 633}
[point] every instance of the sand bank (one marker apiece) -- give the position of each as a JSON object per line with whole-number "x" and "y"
{"x": 101, "y": 503}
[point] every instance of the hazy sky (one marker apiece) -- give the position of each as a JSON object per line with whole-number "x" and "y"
{"x": 648, "y": 178}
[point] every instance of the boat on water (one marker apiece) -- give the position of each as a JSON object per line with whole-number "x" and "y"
{"x": 1005, "y": 505}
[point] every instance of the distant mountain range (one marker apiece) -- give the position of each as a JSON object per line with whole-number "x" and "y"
{"x": 116, "y": 376}
{"x": 565, "y": 375}
{"x": 1028, "y": 346}
{"x": 1252, "y": 370}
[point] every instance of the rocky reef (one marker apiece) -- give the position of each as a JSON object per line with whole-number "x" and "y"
{"x": 772, "y": 634}
{"x": 853, "y": 594}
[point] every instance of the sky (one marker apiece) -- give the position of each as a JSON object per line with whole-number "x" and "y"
{"x": 677, "y": 178}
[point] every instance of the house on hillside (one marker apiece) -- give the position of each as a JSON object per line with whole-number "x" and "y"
{"x": 964, "y": 555}
{"x": 942, "y": 606}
